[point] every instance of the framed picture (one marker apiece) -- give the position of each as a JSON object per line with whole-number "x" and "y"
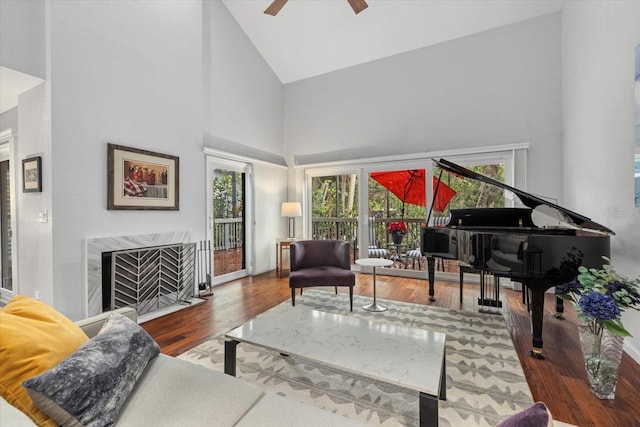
{"x": 32, "y": 175}
{"x": 141, "y": 180}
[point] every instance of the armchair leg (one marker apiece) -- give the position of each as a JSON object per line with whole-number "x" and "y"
{"x": 293, "y": 297}
{"x": 336, "y": 288}
{"x": 351, "y": 297}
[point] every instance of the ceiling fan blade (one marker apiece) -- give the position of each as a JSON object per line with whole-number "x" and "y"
{"x": 358, "y": 5}
{"x": 275, "y": 7}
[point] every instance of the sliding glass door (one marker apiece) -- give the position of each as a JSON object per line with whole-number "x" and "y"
{"x": 229, "y": 209}
{"x": 364, "y": 204}
{"x": 334, "y": 207}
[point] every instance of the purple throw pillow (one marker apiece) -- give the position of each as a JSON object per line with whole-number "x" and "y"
{"x": 536, "y": 415}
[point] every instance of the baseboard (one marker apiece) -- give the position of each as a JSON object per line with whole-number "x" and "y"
{"x": 168, "y": 309}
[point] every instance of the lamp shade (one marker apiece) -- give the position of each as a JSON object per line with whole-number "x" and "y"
{"x": 291, "y": 209}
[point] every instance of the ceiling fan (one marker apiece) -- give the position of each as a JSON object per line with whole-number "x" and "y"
{"x": 273, "y": 9}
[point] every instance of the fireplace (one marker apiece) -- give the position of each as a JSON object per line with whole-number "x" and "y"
{"x": 96, "y": 247}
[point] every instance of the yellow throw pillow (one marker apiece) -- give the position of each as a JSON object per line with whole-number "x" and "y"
{"x": 33, "y": 338}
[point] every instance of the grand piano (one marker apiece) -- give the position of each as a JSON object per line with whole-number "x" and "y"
{"x": 506, "y": 242}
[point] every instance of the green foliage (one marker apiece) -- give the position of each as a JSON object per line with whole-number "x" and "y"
{"x": 337, "y": 196}
{"x": 607, "y": 282}
{"x": 475, "y": 194}
{"x": 228, "y": 194}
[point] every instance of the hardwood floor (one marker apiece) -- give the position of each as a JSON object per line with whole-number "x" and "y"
{"x": 559, "y": 381}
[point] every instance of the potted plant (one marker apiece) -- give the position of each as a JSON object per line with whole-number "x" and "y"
{"x": 600, "y": 296}
{"x": 397, "y": 230}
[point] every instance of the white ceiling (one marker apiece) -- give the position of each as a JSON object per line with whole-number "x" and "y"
{"x": 312, "y": 37}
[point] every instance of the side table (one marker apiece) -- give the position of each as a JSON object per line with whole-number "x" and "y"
{"x": 282, "y": 245}
{"x": 373, "y": 263}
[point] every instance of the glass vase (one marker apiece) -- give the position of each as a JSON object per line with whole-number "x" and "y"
{"x": 602, "y": 353}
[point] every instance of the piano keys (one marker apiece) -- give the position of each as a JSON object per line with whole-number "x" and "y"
{"x": 506, "y": 242}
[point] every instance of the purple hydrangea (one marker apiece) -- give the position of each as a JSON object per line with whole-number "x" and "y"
{"x": 572, "y": 287}
{"x": 616, "y": 285}
{"x": 599, "y": 306}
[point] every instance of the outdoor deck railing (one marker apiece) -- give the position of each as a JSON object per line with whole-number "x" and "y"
{"x": 346, "y": 229}
{"x": 228, "y": 234}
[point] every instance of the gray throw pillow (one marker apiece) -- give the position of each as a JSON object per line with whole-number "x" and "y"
{"x": 89, "y": 387}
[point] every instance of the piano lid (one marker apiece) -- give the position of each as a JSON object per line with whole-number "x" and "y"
{"x": 527, "y": 199}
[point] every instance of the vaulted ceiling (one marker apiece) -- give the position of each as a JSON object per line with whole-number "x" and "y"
{"x": 312, "y": 37}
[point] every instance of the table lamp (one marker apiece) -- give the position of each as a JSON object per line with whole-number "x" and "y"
{"x": 291, "y": 210}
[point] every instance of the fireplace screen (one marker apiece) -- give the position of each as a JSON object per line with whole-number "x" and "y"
{"x": 152, "y": 278}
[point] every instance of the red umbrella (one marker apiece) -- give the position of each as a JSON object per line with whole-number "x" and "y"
{"x": 409, "y": 186}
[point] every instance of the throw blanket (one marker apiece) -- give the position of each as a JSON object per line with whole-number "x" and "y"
{"x": 133, "y": 189}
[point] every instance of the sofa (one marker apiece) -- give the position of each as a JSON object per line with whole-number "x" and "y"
{"x": 167, "y": 392}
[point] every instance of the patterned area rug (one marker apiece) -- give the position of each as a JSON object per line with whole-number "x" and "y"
{"x": 485, "y": 382}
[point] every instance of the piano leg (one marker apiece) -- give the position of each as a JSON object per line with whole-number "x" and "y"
{"x": 431, "y": 270}
{"x": 537, "y": 313}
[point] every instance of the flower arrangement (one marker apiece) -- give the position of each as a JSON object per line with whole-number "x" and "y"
{"x": 397, "y": 227}
{"x": 600, "y": 296}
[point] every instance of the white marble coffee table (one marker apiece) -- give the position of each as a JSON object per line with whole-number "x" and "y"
{"x": 373, "y": 263}
{"x": 407, "y": 357}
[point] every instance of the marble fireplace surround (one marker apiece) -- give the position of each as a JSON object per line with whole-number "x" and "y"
{"x": 95, "y": 246}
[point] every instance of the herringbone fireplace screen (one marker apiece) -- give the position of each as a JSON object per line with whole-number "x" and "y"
{"x": 154, "y": 277}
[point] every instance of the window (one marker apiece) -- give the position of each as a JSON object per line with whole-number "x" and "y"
{"x": 8, "y": 263}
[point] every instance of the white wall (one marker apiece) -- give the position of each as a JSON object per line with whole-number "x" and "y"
{"x": 270, "y": 191}
{"x": 243, "y": 114}
{"x": 33, "y": 239}
{"x": 128, "y": 73}
{"x": 9, "y": 120}
{"x": 22, "y": 36}
{"x": 131, "y": 73}
{"x": 243, "y": 97}
{"x": 598, "y": 41}
{"x": 497, "y": 87}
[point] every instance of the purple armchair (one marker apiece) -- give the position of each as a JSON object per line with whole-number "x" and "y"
{"x": 321, "y": 263}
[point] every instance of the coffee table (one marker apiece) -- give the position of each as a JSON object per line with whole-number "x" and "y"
{"x": 373, "y": 263}
{"x": 407, "y": 357}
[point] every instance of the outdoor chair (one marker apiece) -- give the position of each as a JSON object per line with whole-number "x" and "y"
{"x": 413, "y": 256}
{"x": 320, "y": 263}
{"x": 374, "y": 250}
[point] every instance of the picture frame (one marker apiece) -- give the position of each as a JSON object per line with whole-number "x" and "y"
{"x": 141, "y": 180}
{"x": 32, "y": 175}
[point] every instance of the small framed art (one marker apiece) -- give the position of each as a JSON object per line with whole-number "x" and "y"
{"x": 32, "y": 175}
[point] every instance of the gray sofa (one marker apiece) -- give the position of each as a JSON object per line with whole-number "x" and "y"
{"x": 173, "y": 392}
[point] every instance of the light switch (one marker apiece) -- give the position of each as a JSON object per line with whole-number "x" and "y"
{"x": 43, "y": 216}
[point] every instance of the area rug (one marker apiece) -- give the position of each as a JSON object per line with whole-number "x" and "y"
{"x": 485, "y": 381}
